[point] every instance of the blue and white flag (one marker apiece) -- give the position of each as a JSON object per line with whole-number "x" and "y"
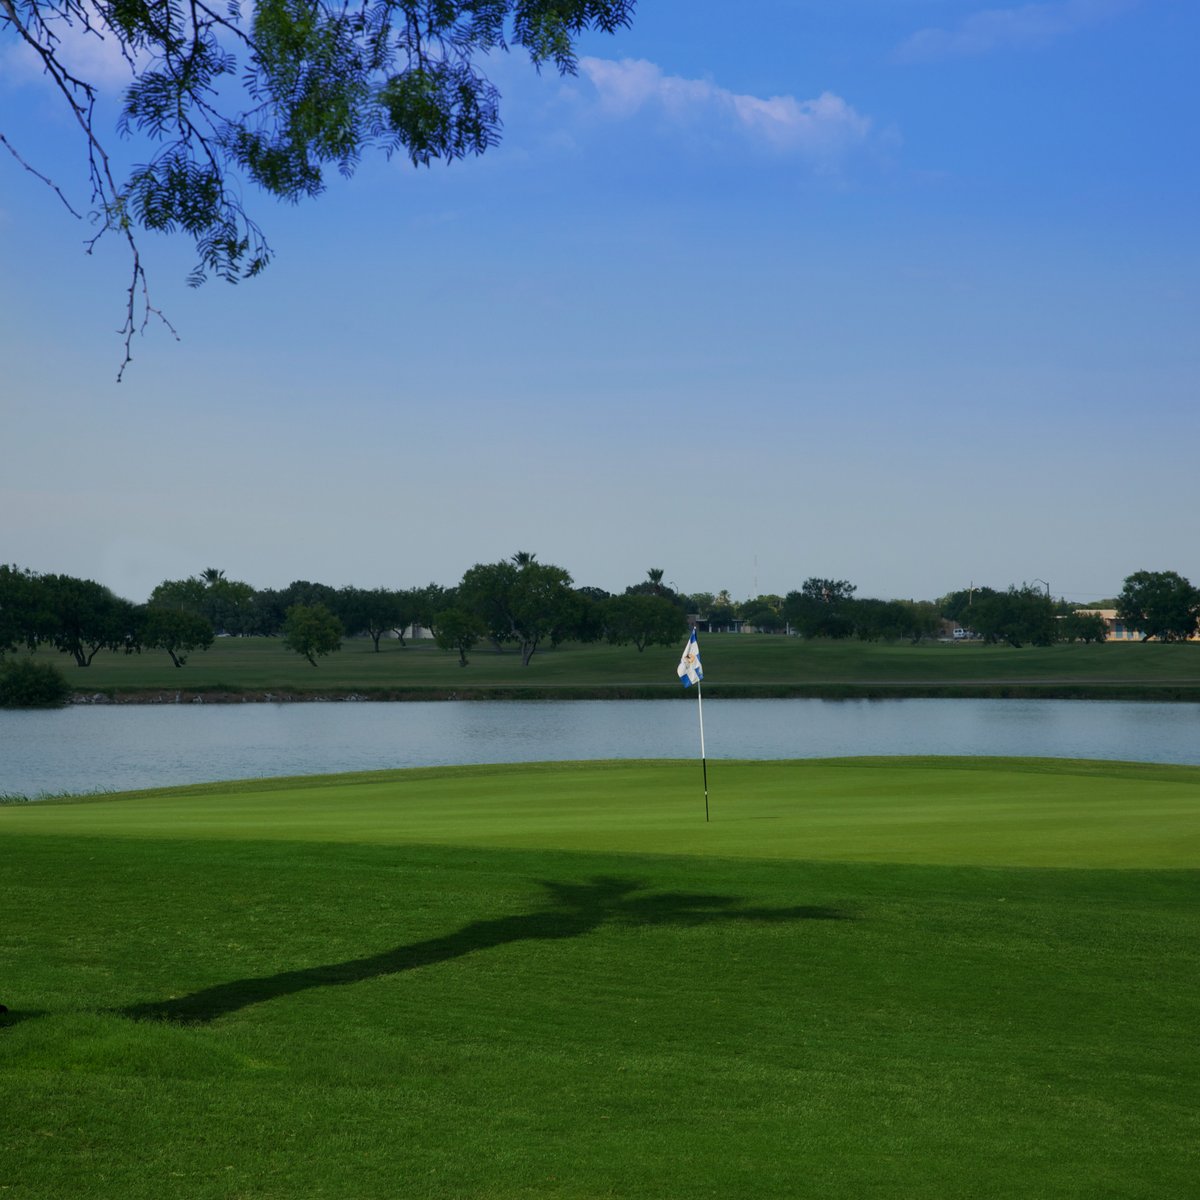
{"x": 689, "y": 669}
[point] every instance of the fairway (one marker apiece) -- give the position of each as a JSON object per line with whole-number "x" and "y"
{"x": 736, "y": 665}
{"x": 904, "y": 977}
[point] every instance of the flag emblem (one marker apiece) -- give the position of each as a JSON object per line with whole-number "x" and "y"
{"x": 689, "y": 669}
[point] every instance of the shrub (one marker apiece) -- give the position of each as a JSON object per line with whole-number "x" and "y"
{"x": 28, "y": 684}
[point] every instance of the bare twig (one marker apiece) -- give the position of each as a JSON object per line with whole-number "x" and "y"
{"x": 45, "y": 179}
{"x": 138, "y": 280}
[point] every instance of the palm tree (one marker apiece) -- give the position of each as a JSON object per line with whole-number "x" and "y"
{"x": 212, "y": 576}
{"x": 656, "y": 575}
{"x": 523, "y": 558}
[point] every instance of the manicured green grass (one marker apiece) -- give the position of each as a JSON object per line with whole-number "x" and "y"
{"x": 731, "y": 661}
{"x": 963, "y": 811}
{"x": 906, "y": 978}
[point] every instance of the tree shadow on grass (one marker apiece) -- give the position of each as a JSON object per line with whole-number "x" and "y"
{"x": 573, "y": 910}
{"x": 12, "y": 1017}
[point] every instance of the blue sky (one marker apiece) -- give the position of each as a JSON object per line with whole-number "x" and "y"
{"x": 898, "y": 291}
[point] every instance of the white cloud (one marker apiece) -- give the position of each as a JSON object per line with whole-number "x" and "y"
{"x": 823, "y": 128}
{"x": 1027, "y": 27}
{"x": 94, "y": 56}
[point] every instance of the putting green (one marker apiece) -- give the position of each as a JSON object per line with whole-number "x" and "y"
{"x": 979, "y": 812}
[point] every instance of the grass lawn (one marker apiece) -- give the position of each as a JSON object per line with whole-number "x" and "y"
{"x": 885, "y": 978}
{"x": 762, "y": 663}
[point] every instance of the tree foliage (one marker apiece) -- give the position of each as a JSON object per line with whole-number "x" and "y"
{"x": 228, "y": 605}
{"x": 527, "y": 604}
{"x": 764, "y": 613}
{"x": 174, "y": 630}
{"x": 720, "y": 609}
{"x": 1017, "y": 616}
{"x": 25, "y": 683}
{"x": 83, "y": 617}
{"x": 312, "y": 631}
{"x": 821, "y": 608}
{"x": 459, "y": 630}
{"x": 79, "y": 617}
{"x": 373, "y": 611}
{"x": 590, "y": 617}
{"x": 279, "y": 97}
{"x": 186, "y": 595}
{"x": 960, "y": 605}
{"x": 305, "y": 591}
{"x": 1082, "y": 627}
{"x": 644, "y": 621}
{"x": 653, "y": 585}
{"x": 486, "y": 590}
{"x": 20, "y": 620}
{"x": 423, "y": 604}
{"x": 921, "y": 619}
{"x": 829, "y": 608}
{"x": 873, "y": 620}
{"x": 1162, "y": 604}
{"x": 545, "y": 607}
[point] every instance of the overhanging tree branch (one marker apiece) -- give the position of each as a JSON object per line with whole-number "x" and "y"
{"x": 301, "y": 86}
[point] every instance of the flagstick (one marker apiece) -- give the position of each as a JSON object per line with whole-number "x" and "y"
{"x": 703, "y": 760}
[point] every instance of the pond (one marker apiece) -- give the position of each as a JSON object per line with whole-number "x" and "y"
{"x": 90, "y": 749}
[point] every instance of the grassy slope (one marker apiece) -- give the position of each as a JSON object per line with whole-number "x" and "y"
{"x": 980, "y": 1006}
{"x": 731, "y": 661}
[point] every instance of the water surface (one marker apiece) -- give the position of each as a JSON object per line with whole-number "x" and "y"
{"x": 106, "y": 748}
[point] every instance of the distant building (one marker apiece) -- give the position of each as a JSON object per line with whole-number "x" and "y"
{"x": 1116, "y": 630}
{"x": 732, "y": 625}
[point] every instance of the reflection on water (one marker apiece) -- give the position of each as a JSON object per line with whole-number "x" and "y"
{"x": 85, "y": 749}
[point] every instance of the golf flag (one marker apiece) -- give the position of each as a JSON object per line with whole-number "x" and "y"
{"x": 689, "y": 669}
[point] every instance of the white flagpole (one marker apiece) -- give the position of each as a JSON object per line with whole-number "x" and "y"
{"x": 690, "y": 671}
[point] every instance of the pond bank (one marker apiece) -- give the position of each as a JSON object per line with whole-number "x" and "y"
{"x": 982, "y": 690}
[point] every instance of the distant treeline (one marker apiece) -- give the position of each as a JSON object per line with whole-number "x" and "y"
{"x": 516, "y": 601}
{"x": 522, "y": 602}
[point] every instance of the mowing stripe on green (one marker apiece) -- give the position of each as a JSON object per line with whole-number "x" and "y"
{"x": 987, "y": 812}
